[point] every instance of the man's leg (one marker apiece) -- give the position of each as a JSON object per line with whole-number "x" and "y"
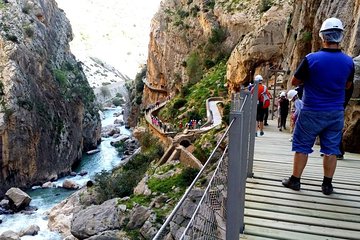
{"x": 293, "y": 182}
{"x": 300, "y": 160}
{"x": 329, "y": 165}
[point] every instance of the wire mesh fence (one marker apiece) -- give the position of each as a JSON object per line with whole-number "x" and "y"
{"x": 208, "y": 220}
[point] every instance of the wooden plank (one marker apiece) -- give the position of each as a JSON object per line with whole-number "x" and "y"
{"x": 302, "y": 228}
{"x": 299, "y": 204}
{"x": 292, "y": 195}
{"x": 304, "y": 191}
{"x": 310, "y": 181}
{"x": 275, "y": 212}
{"x": 314, "y": 221}
{"x": 254, "y": 237}
{"x": 346, "y": 188}
{"x": 308, "y": 174}
{"x": 310, "y": 212}
{"x": 283, "y": 234}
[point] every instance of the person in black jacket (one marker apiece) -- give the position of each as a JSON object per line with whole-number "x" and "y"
{"x": 284, "y": 110}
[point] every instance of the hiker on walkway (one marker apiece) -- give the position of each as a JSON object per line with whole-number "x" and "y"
{"x": 295, "y": 109}
{"x": 263, "y": 103}
{"x": 283, "y": 110}
{"x": 325, "y": 75}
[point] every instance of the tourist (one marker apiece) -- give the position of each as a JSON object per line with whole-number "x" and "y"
{"x": 325, "y": 75}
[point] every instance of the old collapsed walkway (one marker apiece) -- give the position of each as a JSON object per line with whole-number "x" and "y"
{"x": 275, "y": 212}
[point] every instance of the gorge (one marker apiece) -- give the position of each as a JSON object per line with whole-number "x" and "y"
{"x": 48, "y": 111}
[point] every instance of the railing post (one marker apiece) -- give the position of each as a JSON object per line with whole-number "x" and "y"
{"x": 236, "y": 187}
{"x": 253, "y": 129}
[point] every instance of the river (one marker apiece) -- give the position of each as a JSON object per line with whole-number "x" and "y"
{"x": 45, "y": 199}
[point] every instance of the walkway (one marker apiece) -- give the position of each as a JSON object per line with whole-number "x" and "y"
{"x": 275, "y": 212}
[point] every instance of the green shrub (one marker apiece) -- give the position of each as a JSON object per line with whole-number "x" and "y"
{"x": 265, "y": 5}
{"x": 179, "y": 103}
{"x": 194, "y": 68}
{"x": 61, "y": 77}
{"x": 12, "y": 38}
{"x": 29, "y": 31}
{"x": 121, "y": 184}
{"x": 307, "y": 36}
{"x": 181, "y": 180}
{"x": 226, "y": 113}
{"x": 218, "y": 35}
{"x": 117, "y": 101}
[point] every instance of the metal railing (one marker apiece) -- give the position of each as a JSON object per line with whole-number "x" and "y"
{"x": 218, "y": 213}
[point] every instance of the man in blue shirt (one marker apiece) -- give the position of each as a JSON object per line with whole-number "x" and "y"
{"x": 324, "y": 75}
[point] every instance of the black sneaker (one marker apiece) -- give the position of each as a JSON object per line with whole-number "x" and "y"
{"x": 266, "y": 124}
{"x": 327, "y": 189}
{"x": 291, "y": 184}
{"x": 261, "y": 133}
{"x": 339, "y": 157}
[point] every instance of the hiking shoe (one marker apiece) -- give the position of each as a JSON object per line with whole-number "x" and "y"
{"x": 327, "y": 189}
{"x": 291, "y": 184}
{"x": 261, "y": 133}
{"x": 339, "y": 157}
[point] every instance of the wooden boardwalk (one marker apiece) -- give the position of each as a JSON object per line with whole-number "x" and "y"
{"x": 275, "y": 212}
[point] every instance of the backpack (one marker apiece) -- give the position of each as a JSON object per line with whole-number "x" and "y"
{"x": 265, "y": 98}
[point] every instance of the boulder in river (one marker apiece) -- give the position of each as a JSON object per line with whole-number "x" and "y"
{"x": 68, "y": 184}
{"x": 18, "y": 198}
{"x": 10, "y": 235}
{"x": 30, "y": 231}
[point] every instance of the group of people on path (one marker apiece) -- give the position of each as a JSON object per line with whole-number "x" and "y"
{"x": 326, "y": 77}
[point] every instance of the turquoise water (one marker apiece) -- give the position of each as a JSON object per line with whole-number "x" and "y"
{"x": 45, "y": 199}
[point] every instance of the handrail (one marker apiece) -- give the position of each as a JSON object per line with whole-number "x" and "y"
{"x": 169, "y": 218}
{"x": 227, "y": 182}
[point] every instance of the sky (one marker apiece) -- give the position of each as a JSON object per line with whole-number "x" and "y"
{"x": 115, "y": 31}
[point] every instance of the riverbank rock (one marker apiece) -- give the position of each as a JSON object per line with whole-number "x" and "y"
{"x": 60, "y": 215}
{"x": 9, "y": 235}
{"x": 18, "y": 199}
{"x": 138, "y": 217}
{"x": 30, "y": 231}
{"x": 96, "y": 219}
{"x": 48, "y": 185}
{"x": 68, "y": 184}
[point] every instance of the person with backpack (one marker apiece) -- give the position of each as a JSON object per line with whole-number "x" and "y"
{"x": 325, "y": 75}
{"x": 263, "y": 104}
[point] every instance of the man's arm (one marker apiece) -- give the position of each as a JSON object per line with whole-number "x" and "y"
{"x": 301, "y": 73}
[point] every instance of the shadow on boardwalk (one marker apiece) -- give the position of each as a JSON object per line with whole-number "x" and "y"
{"x": 275, "y": 212}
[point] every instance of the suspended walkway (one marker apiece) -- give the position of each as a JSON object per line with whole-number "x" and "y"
{"x": 244, "y": 198}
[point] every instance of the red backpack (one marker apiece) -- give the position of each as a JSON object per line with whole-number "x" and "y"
{"x": 265, "y": 98}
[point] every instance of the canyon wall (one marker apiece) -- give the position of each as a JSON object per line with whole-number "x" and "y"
{"x": 48, "y": 116}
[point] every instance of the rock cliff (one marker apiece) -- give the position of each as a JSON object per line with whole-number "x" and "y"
{"x": 261, "y": 37}
{"x": 48, "y": 117}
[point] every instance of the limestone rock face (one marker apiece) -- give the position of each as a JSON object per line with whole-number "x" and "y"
{"x": 47, "y": 113}
{"x": 258, "y": 38}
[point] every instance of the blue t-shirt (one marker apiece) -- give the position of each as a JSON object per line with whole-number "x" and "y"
{"x": 324, "y": 74}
